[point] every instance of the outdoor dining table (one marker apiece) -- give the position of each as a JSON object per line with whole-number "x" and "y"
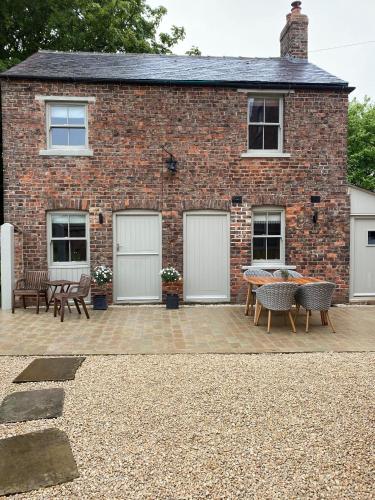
{"x": 64, "y": 286}
{"x": 265, "y": 280}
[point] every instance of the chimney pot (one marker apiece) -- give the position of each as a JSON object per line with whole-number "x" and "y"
{"x": 296, "y": 7}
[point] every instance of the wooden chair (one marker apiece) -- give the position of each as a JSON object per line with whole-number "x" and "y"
{"x": 77, "y": 293}
{"x": 33, "y": 284}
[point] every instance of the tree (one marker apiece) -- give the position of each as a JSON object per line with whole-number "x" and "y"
{"x": 361, "y": 144}
{"x": 82, "y": 25}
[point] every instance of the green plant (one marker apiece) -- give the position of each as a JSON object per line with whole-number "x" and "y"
{"x": 170, "y": 274}
{"x": 102, "y": 275}
{"x": 284, "y": 273}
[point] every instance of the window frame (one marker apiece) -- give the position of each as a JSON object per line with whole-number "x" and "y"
{"x": 66, "y": 147}
{"x": 280, "y": 125}
{"x": 267, "y": 209}
{"x": 50, "y": 239}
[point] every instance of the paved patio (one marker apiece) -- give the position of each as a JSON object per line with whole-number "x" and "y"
{"x": 191, "y": 329}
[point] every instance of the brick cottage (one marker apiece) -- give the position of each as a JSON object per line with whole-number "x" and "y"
{"x": 209, "y": 164}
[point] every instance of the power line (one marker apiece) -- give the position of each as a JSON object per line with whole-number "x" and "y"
{"x": 342, "y": 46}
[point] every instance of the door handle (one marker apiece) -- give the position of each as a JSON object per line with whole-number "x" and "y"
{"x": 118, "y": 246}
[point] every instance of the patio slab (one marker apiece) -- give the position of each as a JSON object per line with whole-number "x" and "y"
{"x": 35, "y": 460}
{"x": 190, "y": 329}
{"x": 32, "y": 405}
{"x": 50, "y": 369}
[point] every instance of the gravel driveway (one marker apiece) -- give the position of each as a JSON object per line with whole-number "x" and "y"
{"x": 296, "y": 426}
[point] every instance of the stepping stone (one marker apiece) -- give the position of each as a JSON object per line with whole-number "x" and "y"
{"x": 32, "y": 405}
{"x": 50, "y": 369}
{"x": 35, "y": 460}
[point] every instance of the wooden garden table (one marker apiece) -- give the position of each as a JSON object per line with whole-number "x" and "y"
{"x": 265, "y": 280}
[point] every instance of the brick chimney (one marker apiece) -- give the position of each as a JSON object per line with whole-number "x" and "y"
{"x": 294, "y": 36}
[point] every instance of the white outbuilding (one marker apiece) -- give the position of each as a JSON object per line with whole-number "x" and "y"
{"x": 362, "y": 245}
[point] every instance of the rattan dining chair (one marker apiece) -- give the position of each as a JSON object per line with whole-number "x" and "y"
{"x": 316, "y": 297}
{"x": 292, "y": 274}
{"x": 275, "y": 297}
{"x": 253, "y": 272}
{"x": 77, "y": 293}
{"x": 32, "y": 284}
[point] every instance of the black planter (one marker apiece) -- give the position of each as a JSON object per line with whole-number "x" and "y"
{"x": 172, "y": 301}
{"x": 99, "y": 302}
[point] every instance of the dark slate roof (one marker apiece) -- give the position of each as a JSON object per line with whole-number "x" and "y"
{"x": 158, "y": 69}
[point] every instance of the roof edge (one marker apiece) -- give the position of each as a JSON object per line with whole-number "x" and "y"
{"x": 206, "y": 83}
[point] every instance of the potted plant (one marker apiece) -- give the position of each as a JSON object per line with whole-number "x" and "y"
{"x": 102, "y": 276}
{"x": 172, "y": 284}
{"x": 284, "y": 274}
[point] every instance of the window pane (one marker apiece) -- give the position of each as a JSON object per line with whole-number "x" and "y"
{"x": 59, "y": 226}
{"x": 255, "y": 137}
{"x": 76, "y": 115}
{"x": 59, "y": 137}
{"x": 77, "y": 137}
{"x": 271, "y": 137}
{"x": 274, "y": 223}
{"x": 60, "y": 250}
{"x": 256, "y": 110}
{"x": 77, "y": 226}
{"x": 273, "y": 248}
{"x": 259, "y": 249}
{"x": 59, "y": 115}
{"x": 78, "y": 250}
{"x": 371, "y": 237}
{"x": 272, "y": 111}
{"x": 260, "y": 223}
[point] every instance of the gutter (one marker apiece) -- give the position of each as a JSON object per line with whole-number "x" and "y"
{"x": 196, "y": 83}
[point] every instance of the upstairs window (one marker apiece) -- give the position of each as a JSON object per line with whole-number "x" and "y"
{"x": 68, "y": 237}
{"x": 67, "y": 126}
{"x": 268, "y": 235}
{"x": 265, "y": 124}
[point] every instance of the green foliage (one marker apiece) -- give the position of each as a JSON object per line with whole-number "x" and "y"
{"x": 81, "y": 25}
{"x": 194, "y": 51}
{"x": 361, "y": 144}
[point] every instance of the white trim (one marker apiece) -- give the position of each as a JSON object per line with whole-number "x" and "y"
{"x": 269, "y": 266}
{"x": 267, "y": 152}
{"x": 66, "y": 98}
{"x": 262, "y": 263}
{"x": 71, "y": 264}
{"x": 261, "y": 153}
{"x": 265, "y": 91}
{"x": 196, "y": 298}
{"x": 49, "y": 126}
{"x": 66, "y": 152}
{"x": 121, "y": 300}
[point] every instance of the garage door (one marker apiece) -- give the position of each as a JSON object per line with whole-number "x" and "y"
{"x": 363, "y": 257}
{"x": 138, "y": 257}
{"x": 206, "y": 256}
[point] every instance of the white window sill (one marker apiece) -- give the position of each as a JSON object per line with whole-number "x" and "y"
{"x": 66, "y": 152}
{"x": 265, "y": 154}
{"x": 275, "y": 266}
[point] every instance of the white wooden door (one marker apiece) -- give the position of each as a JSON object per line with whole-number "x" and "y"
{"x": 363, "y": 257}
{"x": 206, "y": 256}
{"x": 138, "y": 257}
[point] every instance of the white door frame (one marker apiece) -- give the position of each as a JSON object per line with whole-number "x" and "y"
{"x": 357, "y": 296}
{"x": 114, "y": 250}
{"x": 207, "y": 212}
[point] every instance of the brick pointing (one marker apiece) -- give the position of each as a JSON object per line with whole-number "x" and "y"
{"x": 206, "y": 130}
{"x": 294, "y": 36}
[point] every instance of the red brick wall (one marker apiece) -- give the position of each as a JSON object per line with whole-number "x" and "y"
{"x": 206, "y": 130}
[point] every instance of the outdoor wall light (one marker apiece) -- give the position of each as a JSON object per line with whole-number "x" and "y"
{"x": 172, "y": 164}
{"x": 315, "y": 217}
{"x": 101, "y": 218}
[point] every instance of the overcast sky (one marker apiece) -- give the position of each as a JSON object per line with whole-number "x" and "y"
{"x": 252, "y": 28}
